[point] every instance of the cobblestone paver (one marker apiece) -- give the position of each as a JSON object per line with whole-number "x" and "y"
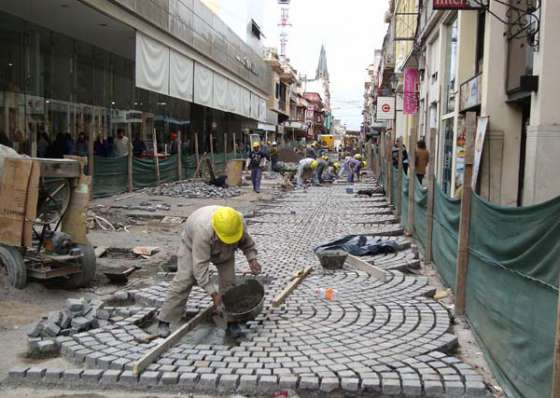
{"x": 387, "y": 338}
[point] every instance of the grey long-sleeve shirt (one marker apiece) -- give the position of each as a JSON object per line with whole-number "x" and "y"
{"x": 200, "y": 239}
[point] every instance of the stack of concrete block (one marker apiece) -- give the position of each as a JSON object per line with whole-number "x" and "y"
{"x": 78, "y": 315}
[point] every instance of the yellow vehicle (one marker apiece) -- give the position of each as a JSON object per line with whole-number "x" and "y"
{"x": 327, "y": 141}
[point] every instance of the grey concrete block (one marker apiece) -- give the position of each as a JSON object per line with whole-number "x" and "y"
{"x": 72, "y": 375}
{"x": 351, "y": 384}
{"x": 17, "y": 373}
{"x": 128, "y": 377}
{"x": 169, "y": 378}
{"x": 329, "y": 384}
{"x": 309, "y": 383}
{"x": 412, "y": 387}
{"x": 110, "y": 376}
{"x": 208, "y": 382}
{"x": 92, "y": 376}
{"x": 228, "y": 383}
{"x": 371, "y": 383}
{"x": 454, "y": 388}
{"x": 35, "y": 374}
{"x": 149, "y": 378}
{"x": 188, "y": 379}
{"x": 475, "y": 389}
{"x": 81, "y": 323}
{"x": 53, "y": 375}
{"x": 391, "y": 386}
{"x": 248, "y": 384}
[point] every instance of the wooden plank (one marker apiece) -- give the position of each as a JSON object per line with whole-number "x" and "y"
{"x": 430, "y": 205}
{"x": 32, "y": 198}
{"x": 210, "y": 169}
{"x": 556, "y": 368}
{"x": 130, "y": 156}
{"x": 411, "y": 178}
{"x": 14, "y": 200}
{"x": 389, "y": 160}
{"x": 361, "y": 265}
{"x": 91, "y": 154}
{"x": 156, "y": 157}
{"x": 283, "y": 295}
{"x": 179, "y": 155}
{"x": 197, "y": 154}
{"x": 100, "y": 251}
{"x": 171, "y": 340}
{"x": 398, "y": 199}
{"x": 464, "y": 226}
{"x": 59, "y": 168}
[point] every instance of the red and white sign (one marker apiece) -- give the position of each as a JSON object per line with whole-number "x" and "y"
{"x": 385, "y": 108}
{"x": 457, "y": 4}
{"x": 411, "y": 80}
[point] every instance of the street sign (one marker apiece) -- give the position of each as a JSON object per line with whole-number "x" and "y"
{"x": 457, "y": 4}
{"x": 385, "y": 108}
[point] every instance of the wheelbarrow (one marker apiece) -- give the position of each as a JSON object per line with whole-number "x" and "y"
{"x": 120, "y": 278}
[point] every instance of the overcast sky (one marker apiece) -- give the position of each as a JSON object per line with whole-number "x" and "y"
{"x": 350, "y": 30}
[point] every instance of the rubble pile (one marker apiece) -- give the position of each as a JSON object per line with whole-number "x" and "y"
{"x": 190, "y": 189}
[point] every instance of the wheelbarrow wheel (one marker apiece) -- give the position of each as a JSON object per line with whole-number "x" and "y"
{"x": 88, "y": 263}
{"x": 12, "y": 261}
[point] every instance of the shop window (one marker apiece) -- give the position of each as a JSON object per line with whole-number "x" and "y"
{"x": 480, "y": 31}
{"x": 451, "y": 67}
{"x": 447, "y": 166}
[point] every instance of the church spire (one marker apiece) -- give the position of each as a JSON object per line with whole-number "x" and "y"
{"x": 322, "y": 69}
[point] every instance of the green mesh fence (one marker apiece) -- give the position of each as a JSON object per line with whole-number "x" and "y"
{"x": 512, "y": 281}
{"x": 144, "y": 171}
{"x": 394, "y": 186}
{"x": 110, "y": 176}
{"x": 404, "y": 200}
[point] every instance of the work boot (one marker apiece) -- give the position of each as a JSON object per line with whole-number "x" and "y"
{"x": 164, "y": 330}
{"x": 234, "y": 331}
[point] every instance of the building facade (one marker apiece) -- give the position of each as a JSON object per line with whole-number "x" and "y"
{"x": 495, "y": 64}
{"x": 94, "y": 66}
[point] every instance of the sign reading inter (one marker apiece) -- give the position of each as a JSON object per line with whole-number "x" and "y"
{"x": 457, "y": 4}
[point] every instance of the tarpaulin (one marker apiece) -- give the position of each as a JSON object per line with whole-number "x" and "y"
{"x": 360, "y": 245}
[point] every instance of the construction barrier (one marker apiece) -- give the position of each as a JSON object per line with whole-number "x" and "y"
{"x": 511, "y": 280}
{"x": 110, "y": 175}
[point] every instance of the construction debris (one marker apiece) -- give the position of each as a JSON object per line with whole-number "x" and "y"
{"x": 145, "y": 251}
{"x": 190, "y": 189}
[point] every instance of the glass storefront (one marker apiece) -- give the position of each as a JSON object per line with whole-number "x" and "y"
{"x": 54, "y": 87}
{"x": 451, "y": 86}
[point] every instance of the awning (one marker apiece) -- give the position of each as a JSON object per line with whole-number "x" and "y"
{"x": 266, "y": 127}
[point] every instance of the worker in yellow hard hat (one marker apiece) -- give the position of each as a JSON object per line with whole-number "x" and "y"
{"x": 212, "y": 234}
{"x": 358, "y": 156}
{"x": 305, "y": 165}
{"x": 322, "y": 164}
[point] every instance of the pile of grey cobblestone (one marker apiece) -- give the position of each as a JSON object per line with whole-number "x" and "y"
{"x": 191, "y": 189}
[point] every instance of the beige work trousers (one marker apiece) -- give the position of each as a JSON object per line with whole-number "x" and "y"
{"x": 181, "y": 286}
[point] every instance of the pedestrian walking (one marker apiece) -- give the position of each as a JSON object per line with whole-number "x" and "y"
{"x": 256, "y": 162}
{"x": 422, "y": 158}
{"x": 212, "y": 234}
{"x": 120, "y": 144}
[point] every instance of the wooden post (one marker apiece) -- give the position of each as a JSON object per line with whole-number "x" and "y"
{"x": 431, "y": 193}
{"x": 197, "y": 153}
{"x": 212, "y": 149}
{"x": 91, "y": 155}
{"x": 179, "y": 155}
{"x": 464, "y": 226}
{"x": 234, "y": 147}
{"x": 156, "y": 157}
{"x": 411, "y": 178}
{"x": 130, "y": 156}
{"x": 398, "y": 199}
{"x": 225, "y": 148}
{"x": 556, "y": 368}
{"x": 389, "y": 160}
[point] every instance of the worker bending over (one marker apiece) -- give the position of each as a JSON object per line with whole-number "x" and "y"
{"x": 352, "y": 167}
{"x": 307, "y": 164}
{"x": 322, "y": 164}
{"x": 211, "y": 234}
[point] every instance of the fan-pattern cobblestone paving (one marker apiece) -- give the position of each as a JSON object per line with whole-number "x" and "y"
{"x": 389, "y": 338}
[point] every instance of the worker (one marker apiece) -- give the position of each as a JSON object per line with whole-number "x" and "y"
{"x": 352, "y": 167}
{"x": 211, "y": 234}
{"x": 310, "y": 151}
{"x": 322, "y": 164}
{"x": 306, "y": 164}
{"x": 332, "y": 172}
{"x": 256, "y": 162}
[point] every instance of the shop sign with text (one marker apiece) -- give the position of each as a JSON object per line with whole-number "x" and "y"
{"x": 457, "y": 4}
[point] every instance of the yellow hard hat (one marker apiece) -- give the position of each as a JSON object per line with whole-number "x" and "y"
{"x": 256, "y": 144}
{"x": 336, "y": 165}
{"x": 314, "y": 143}
{"x": 314, "y": 164}
{"x": 364, "y": 164}
{"x": 358, "y": 156}
{"x": 325, "y": 157}
{"x": 228, "y": 225}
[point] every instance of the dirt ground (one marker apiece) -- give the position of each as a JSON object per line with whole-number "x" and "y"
{"x": 20, "y": 308}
